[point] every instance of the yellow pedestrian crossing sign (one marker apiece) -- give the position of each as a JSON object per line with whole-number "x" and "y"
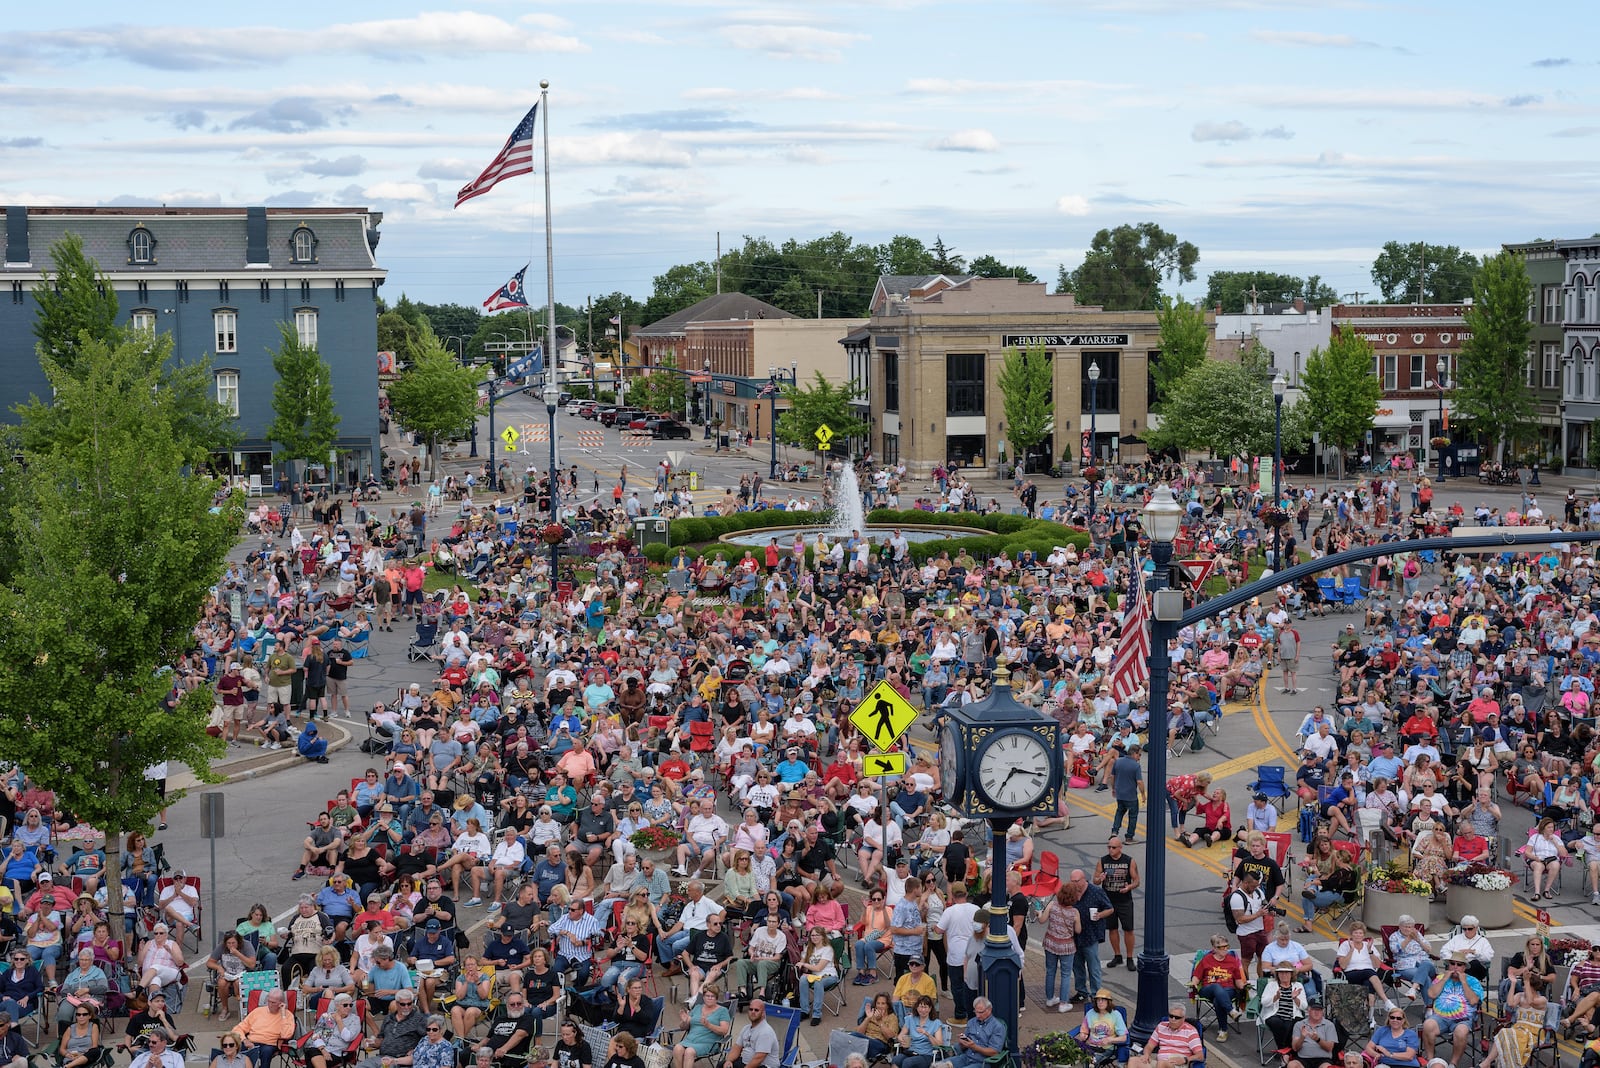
{"x": 510, "y": 436}
{"x": 883, "y": 765}
{"x": 883, "y": 716}
{"x": 824, "y": 435}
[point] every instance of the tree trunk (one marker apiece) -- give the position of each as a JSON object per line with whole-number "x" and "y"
{"x": 113, "y": 877}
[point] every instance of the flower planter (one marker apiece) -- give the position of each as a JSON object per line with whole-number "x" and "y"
{"x": 1492, "y": 907}
{"x": 1380, "y": 908}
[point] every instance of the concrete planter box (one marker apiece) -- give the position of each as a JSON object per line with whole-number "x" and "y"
{"x": 1379, "y": 908}
{"x": 1492, "y": 907}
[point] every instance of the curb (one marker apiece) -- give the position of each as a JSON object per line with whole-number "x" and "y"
{"x": 338, "y": 736}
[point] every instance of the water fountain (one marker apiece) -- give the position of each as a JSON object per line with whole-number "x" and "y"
{"x": 849, "y": 515}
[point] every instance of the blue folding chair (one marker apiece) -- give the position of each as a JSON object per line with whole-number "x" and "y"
{"x": 785, "y": 1021}
{"x": 1269, "y": 780}
{"x": 1353, "y": 593}
{"x": 1329, "y": 588}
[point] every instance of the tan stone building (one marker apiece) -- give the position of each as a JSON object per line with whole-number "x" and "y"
{"x": 933, "y": 351}
{"x": 731, "y": 343}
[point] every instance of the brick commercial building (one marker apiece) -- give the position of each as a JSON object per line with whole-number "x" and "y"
{"x": 1410, "y": 343}
{"x": 934, "y": 347}
{"x": 220, "y": 281}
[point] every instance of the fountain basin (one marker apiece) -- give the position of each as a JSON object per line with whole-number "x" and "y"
{"x": 878, "y": 534}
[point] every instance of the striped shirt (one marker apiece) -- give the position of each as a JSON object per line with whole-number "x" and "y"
{"x": 570, "y": 932}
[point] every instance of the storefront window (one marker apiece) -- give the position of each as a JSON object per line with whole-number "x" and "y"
{"x": 965, "y": 450}
{"x": 963, "y": 383}
{"x": 1108, "y": 390}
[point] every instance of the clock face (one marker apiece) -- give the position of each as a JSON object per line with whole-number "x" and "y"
{"x": 949, "y": 755}
{"x": 1014, "y": 770}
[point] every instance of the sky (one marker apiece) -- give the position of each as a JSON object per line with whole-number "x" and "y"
{"x": 1287, "y": 135}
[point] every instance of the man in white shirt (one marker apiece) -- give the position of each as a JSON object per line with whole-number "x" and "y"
{"x": 957, "y": 925}
{"x": 707, "y": 830}
{"x": 505, "y": 862}
{"x": 692, "y": 918}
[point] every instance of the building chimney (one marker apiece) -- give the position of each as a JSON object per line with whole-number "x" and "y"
{"x": 1299, "y": 305}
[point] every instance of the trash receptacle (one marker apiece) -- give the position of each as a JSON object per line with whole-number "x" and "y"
{"x": 694, "y": 481}
{"x": 650, "y": 530}
{"x": 297, "y": 689}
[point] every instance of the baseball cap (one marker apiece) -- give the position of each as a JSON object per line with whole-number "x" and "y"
{"x": 431, "y": 925}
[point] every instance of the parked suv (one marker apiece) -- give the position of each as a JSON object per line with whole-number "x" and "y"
{"x": 666, "y": 427}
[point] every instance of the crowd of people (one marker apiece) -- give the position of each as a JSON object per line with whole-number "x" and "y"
{"x": 631, "y": 789}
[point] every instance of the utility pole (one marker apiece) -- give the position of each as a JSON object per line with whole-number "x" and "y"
{"x": 1422, "y": 279}
{"x": 1355, "y": 296}
{"x": 594, "y": 394}
{"x": 719, "y": 261}
{"x": 819, "y": 304}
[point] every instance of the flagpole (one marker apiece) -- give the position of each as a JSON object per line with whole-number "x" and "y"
{"x": 549, "y": 272}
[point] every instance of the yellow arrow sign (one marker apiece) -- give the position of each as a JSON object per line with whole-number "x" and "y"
{"x": 510, "y": 436}
{"x": 883, "y": 765}
{"x": 883, "y": 716}
{"x": 824, "y": 435}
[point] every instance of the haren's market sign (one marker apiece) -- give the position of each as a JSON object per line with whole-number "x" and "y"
{"x": 1067, "y": 341}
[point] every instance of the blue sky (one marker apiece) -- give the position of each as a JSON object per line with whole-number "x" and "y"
{"x": 1284, "y": 135}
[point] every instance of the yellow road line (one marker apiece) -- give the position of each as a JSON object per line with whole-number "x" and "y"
{"x": 1246, "y": 762}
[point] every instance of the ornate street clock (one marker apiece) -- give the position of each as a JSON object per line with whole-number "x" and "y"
{"x": 1000, "y": 758}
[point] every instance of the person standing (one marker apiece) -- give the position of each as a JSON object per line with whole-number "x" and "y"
{"x": 1118, "y": 875}
{"x": 1094, "y": 908}
{"x": 1289, "y": 658}
{"x": 957, "y": 925}
{"x": 1127, "y": 786}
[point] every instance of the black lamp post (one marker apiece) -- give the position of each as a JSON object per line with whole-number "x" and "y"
{"x": 1161, "y": 520}
{"x": 1094, "y": 444}
{"x": 1442, "y": 366}
{"x": 705, "y": 396}
{"x": 494, "y": 391}
{"x": 552, "y": 394}
{"x": 1279, "y": 385}
{"x": 774, "y": 376}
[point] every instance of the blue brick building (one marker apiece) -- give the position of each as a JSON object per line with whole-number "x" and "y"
{"x": 220, "y": 281}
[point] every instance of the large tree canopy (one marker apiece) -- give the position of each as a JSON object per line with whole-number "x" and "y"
{"x": 1416, "y": 272}
{"x": 1492, "y": 392}
{"x": 1124, "y": 268}
{"x": 1341, "y": 390}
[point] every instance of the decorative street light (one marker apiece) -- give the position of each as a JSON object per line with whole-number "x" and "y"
{"x": 1279, "y": 385}
{"x": 705, "y": 395}
{"x": 1162, "y": 516}
{"x": 1442, "y": 366}
{"x": 552, "y": 394}
{"x": 774, "y": 376}
{"x": 1094, "y": 444}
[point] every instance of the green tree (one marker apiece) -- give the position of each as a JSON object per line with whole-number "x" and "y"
{"x": 817, "y": 404}
{"x": 451, "y": 320}
{"x": 398, "y": 335}
{"x": 435, "y": 396}
{"x": 1491, "y": 390}
{"x": 945, "y": 260}
{"x": 677, "y": 288}
{"x": 76, "y": 301}
{"x": 1185, "y": 339}
{"x": 1124, "y": 268}
{"x": 1026, "y": 382}
{"x": 1319, "y": 294}
{"x": 1231, "y": 289}
{"x": 904, "y": 254}
{"x": 662, "y": 391}
{"x": 1421, "y": 273}
{"x": 987, "y": 266}
{"x": 304, "y": 422}
{"x": 121, "y": 546}
{"x": 1223, "y": 408}
{"x": 1341, "y": 390}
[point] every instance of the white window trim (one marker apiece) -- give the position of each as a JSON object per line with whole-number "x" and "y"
{"x": 228, "y": 392}
{"x": 301, "y": 320}
{"x": 143, "y": 320}
{"x": 226, "y": 327}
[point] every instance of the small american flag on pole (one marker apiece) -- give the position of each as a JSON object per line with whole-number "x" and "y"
{"x": 514, "y": 159}
{"x": 768, "y": 390}
{"x": 1130, "y": 669}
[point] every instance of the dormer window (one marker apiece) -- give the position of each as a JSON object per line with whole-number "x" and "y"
{"x": 141, "y": 246}
{"x": 303, "y": 245}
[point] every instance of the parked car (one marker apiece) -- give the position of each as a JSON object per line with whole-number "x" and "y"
{"x": 667, "y": 427}
{"x": 564, "y": 398}
{"x": 588, "y": 409}
{"x": 573, "y": 408}
{"x": 619, "y": 416}
{"x": 641, "y": 421}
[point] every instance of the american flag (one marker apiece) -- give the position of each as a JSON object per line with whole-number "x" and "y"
{"x": 616, "y": 320}
{"x": 514, "y": 159}
{"x": 768, "y": 390}
{"x": 1130, "y": 670}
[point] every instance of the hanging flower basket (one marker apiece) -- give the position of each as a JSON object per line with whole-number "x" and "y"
{"x": 1439, "y": 443}
{"x": 1092, "y": 474}
{"x": 553, "y": 533}
{"x": 1273, "y": 518}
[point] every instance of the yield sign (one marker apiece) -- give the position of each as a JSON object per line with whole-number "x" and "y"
{"x": 1196, "y": 571}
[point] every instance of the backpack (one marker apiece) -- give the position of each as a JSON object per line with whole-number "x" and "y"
{"x": 1197, "y": 741}
{"x": 1228, "y": 919}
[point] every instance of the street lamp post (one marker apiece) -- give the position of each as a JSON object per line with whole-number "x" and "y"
{"x": 552, "y": 394}
{"x": 1094, "y": 444}
{"x": 705, "y": 396}
{"x": 1442, "y": 366}
{"x": 1161, "y": 519}
{"x": 1279, "y": 385}
{"x": 774, "y": 376}
{"x": 494, "y": 390}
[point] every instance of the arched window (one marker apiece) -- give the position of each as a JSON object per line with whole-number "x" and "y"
{"x": 1580, "y": 287}
{"x": 141, "y": 245}
{"x": 303, "y": 245}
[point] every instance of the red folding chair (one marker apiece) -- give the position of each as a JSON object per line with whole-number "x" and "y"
{"x": 1047, "y": 880}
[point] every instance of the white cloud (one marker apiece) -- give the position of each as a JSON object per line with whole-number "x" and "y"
{"x": 411, "y": 191}
{"x": 724, "y": 93}
{"x": 1308, "y": 39}
{"x": 1073, "y": 204}
{"x": 792, "y": 42}
{"x": 1221, "y": 131}
{"x": 968, "y": 141}
{"x": 452, "y": 33}
{"x": 448, "y": 168}
{"x": 611, "y": 149}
